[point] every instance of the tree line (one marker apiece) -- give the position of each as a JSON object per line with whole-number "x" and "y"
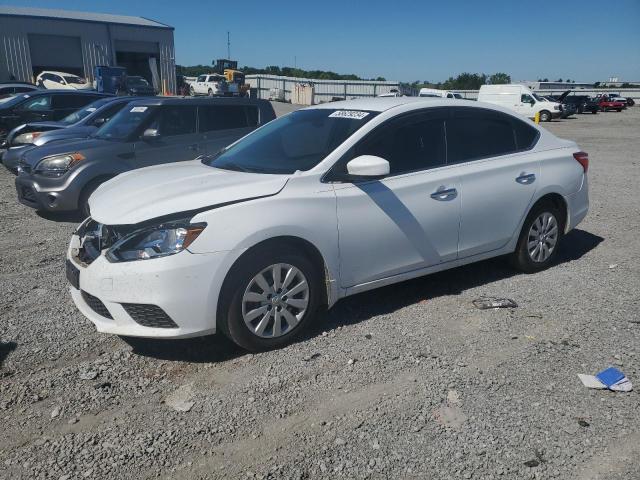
{"x": 464, "y": 81}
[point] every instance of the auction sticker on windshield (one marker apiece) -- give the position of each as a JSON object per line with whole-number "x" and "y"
{"x": 138, "y": 109}
{"x": 353, "y": 114}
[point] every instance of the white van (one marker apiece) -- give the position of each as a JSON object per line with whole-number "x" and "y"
{"x": 521, "y": 99}
{"x": 434, "y": 92}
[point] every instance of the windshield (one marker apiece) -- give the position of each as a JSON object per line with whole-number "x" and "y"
{"x": 298, "y": 141}
{"x": 124, "y": 123}
{"x": 137, "y": 82}
{"x": 73, "y": 79}
{"x": 83, "y": 112}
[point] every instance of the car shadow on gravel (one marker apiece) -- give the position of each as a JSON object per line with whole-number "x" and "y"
{"x": 61, "y": 217}
{"x": 5, "y": 349}
{"x": 449, "y": 282}
{"x": 217, "y": 348}
{"x": 209, "y": 349}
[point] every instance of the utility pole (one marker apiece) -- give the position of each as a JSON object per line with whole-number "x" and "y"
{"x": 295, "y": 61}
{"x": 228, "y": 46}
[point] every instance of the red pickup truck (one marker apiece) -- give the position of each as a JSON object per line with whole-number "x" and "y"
{"x": 607, "y": 103}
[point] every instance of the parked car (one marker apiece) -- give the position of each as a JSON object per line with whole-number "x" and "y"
{"x": 8, "y": 89}
{"x": 319, "y": 204}
{"x": 79, "y": 124}
{"x": 629, "y": 102}
{"x": 41, "y": 105}
{"x": 212, "y": 84}
{"x": 605, "y": 103}
{"x": 136, "y": 85}
{"x": 61, "y": 176}
{"x": 567, "y": 108}
{"x": 520, "y": 99}
{"x": 583, "y": 103}
{"x": 434, "y": 92}
{"x": 62, "y": 81}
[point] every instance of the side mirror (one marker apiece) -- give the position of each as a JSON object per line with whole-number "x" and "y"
{"x": 151, "y": 134}
{"x": 368, "y": 167}
{"x": 98, "y": 122}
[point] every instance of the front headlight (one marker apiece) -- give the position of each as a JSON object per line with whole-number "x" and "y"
{"x": 58, "y": 164}
{"x": 154, "y": 242}
{"x": 556, "y": 107}
{"x": 26, "y": 138}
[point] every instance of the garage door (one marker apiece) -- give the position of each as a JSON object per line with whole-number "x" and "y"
{"x": 56, "y": 52}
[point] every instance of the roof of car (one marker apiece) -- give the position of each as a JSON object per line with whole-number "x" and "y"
{"x": 380, "y": 104}
{"x": 62, "y": 74}
{"x": 151, "y": 101}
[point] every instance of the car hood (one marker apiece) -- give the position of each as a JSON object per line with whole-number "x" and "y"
{"x": 65, "y": 146}
{"x": 161, "y": 190}
{"x": 64, "y": 134}
{"x": 563, "y": 96}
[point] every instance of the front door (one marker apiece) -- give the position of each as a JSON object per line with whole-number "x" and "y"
{"x": 177, "y": 140}
{"x": 408, "y": 220}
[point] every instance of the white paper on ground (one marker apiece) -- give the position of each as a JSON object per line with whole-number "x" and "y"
{"x": 590, "y": 381}
{"x": 623, "y": 385}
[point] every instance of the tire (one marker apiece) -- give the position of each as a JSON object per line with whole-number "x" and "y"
{"x": 235, "y": 307}
{"x": 536, "y": 261}
{"x": 210, "y": 92}
{"x": 594, "y": 111}
{"x": 545, "y": 116}
{"x": 618, "y": 110}
{"x": 83, "y": 201}
{"x": 192, "y": 92}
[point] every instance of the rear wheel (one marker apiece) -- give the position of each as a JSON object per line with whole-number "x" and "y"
{"x": 545, "y": 116}
{"x": 210, "y": 93}
{"x": 192, "y": 92}
{"x": 539, "y": 239}
{"x": 618, "y": 110}
{"x": 270, "y": 297}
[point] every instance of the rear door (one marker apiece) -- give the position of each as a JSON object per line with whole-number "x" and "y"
{"x": 408, "y": 220}
{"x": 222, "y": 125}
{"x": 498, "y": 176}
{"x": 178, "y": 140}
{"x": 36, "y": 109}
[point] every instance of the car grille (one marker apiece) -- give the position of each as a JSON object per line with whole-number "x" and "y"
{"x": 96, "y": 305}
{"x": 149, "y": 315}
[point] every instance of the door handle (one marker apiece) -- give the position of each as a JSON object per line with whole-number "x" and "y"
{"x": 443, "y": 194}
{"x": 526, "y": 178}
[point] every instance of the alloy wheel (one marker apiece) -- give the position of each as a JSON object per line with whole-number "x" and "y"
{"x": 275, "y": 301}
{"x": 543, "y": 237}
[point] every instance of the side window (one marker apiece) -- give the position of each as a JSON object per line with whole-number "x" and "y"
{"x": 61, "y": 102}
{"x": 201, "y": 78}
{"x": 23, "y": 89}
{"x": 526, "y": 135}
{"x": 524, "y": 98}
{"x": 58, "y": 79}
{"x": 223, "y": 117}
{"x": 175, "y": 120}
{"x": 6, "y": 91}
{"x": 476, "y": 133}
{"x": 413, "y": 143}
{"x": 449, "y": 95}
{"x": 39, "y": 103}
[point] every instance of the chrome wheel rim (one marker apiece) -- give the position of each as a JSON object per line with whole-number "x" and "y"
{"x": 275, "y": 301}
{"x": 543, "y": 237}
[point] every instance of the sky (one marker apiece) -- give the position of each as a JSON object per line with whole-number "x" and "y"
{"x": 584, "y": 40}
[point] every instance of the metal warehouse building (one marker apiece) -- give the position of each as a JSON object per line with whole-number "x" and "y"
{"x": 36, "y": 39}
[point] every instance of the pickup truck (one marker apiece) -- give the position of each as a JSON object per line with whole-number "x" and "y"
{"x": 607, "y": 103}
{"x": 211, "y": 84}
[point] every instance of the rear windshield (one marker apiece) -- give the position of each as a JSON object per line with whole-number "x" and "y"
{"x": 298, "y": 141}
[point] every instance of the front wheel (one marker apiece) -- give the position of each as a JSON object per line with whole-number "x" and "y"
{"x": 210, "y": 93}
{"x": 539, "y": 239}
{"x": 192, "y": 92}
{"x": 271, "y": 296}
{"x": 545, "y": 116}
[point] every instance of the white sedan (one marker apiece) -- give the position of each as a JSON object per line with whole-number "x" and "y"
{"x": 317, "y": 205}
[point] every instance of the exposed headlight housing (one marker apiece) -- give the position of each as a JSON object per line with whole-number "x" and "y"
{"x": 557, "y": 107}
{"x": 56, "y": 165}
{"x": 155, "y": 242}
{"x": 26, "y": 138}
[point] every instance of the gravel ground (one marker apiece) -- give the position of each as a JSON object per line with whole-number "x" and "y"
{"x": 409, "y": 381}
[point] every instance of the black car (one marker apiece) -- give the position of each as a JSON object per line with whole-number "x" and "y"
{"x": 581, "y": 103}
{"x": 41, "y": 105}
{"x": 136, "y": 85}
{"x": 8, "y": 89}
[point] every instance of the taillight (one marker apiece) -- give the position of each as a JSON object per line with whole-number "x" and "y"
{"x": 583, "y": 159}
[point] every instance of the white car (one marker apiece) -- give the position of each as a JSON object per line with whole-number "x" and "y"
{"x": 434, "y": 92}
{"x": 319, "y": 204}
{"x": 62, "y": 81}
{"x": 521, "y": 99}
{"x": 212, "y": 85}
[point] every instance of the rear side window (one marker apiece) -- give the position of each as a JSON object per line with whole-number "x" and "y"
{"x": 38, "y": 103}
{"x": 476, "y": 133}
{"x": 225, "y": 117}
{"x": 175, "y": 120}
{"x": 71, "y": 101}
{"x": 410, "y": 144}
